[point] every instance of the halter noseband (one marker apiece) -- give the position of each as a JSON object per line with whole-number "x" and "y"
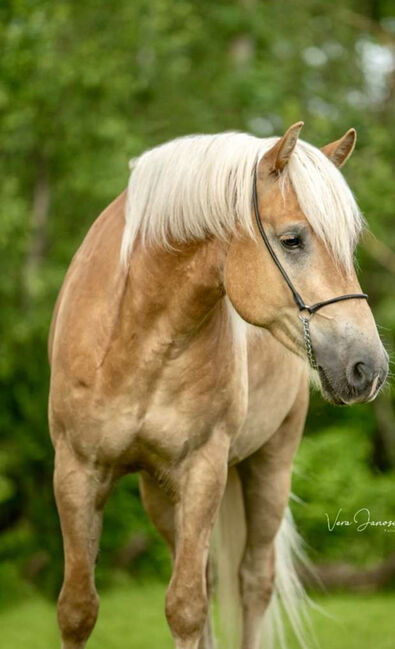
{"x": 311, "y": 310}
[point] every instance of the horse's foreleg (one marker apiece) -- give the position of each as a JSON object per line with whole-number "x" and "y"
{"x": 161, "y": 511}
{"x": 80, "y": 492}
{"x": 199, "y": 495}
{"x": 265, "y": 478}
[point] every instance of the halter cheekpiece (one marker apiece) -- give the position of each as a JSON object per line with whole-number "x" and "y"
{"x": 311, "y": 310}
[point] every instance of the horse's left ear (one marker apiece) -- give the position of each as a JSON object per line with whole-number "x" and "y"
{"x": 278, "y": 156}
{"x": 340, "y": 150}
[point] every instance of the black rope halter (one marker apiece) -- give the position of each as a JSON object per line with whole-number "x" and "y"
{"x": 311, "y": 310}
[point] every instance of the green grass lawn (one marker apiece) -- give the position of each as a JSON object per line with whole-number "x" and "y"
{"x": 131, "y": 617}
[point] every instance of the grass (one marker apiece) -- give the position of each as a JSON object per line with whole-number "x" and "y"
{"x": 132, "y": 617}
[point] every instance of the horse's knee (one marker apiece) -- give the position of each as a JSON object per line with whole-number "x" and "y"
{"x": 186, "y": 611}
{"x": 78, "y": 607}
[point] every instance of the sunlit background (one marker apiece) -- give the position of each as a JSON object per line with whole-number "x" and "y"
{"x": 84, "y": 87}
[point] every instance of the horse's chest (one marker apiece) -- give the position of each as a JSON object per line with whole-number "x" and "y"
{"x": 160, "y": 416}
{"x": 248, "y": 390}
{"x": 195, "y": 397}
{"x": 160, "y": 419}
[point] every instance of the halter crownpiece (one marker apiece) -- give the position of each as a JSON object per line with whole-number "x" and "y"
{"x": 311, "y": 310}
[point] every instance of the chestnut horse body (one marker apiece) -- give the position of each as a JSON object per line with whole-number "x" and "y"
{"x": 184, "y": 361}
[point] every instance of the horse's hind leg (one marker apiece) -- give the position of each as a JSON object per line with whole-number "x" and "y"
{"x": 161, "y": 511}
{"x": 207, "y": 641}
{"x": 159, "y": 508}
{"x": 80, "y": 492}
{"x": 265, "y": 478}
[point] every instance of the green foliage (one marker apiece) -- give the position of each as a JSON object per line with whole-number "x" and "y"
{"x": 134, "y": 613}
{"x": 332, "y": 473}
{"x": 86, "y": 86}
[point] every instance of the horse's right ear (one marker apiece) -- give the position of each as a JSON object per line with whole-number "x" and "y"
{"x": 278, "y": 156}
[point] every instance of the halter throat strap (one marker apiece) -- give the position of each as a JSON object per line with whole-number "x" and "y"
{"x": 300, "y": 303}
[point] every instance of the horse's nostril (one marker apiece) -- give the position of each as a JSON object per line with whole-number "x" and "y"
{"x": 359, "y": 373}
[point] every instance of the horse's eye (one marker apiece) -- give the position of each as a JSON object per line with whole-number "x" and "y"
{"x": 291, "y": 241}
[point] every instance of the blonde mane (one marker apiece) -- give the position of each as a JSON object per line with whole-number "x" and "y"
{"x": 201, "y": 185}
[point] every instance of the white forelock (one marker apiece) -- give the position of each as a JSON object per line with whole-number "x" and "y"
{"x": 201, "y": 185}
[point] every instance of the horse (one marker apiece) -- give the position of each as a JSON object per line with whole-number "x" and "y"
{"x": 178, "y": 350}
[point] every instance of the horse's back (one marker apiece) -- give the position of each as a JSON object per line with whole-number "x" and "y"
{"x": 91, "y": 287}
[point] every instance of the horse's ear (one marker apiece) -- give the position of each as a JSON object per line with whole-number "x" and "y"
{"x": 340, "y": 150}
{"x": 279, "y": 155}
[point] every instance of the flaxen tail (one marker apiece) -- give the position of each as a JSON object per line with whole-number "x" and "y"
{"x": 289, "y": 596}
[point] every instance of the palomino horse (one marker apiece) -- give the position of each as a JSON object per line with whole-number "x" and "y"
{"x": 177, "y": 351}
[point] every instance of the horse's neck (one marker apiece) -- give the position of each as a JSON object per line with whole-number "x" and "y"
{"x": 171, "y": 297}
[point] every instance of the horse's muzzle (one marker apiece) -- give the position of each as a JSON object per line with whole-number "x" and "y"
{"x": 357, "y": 381}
